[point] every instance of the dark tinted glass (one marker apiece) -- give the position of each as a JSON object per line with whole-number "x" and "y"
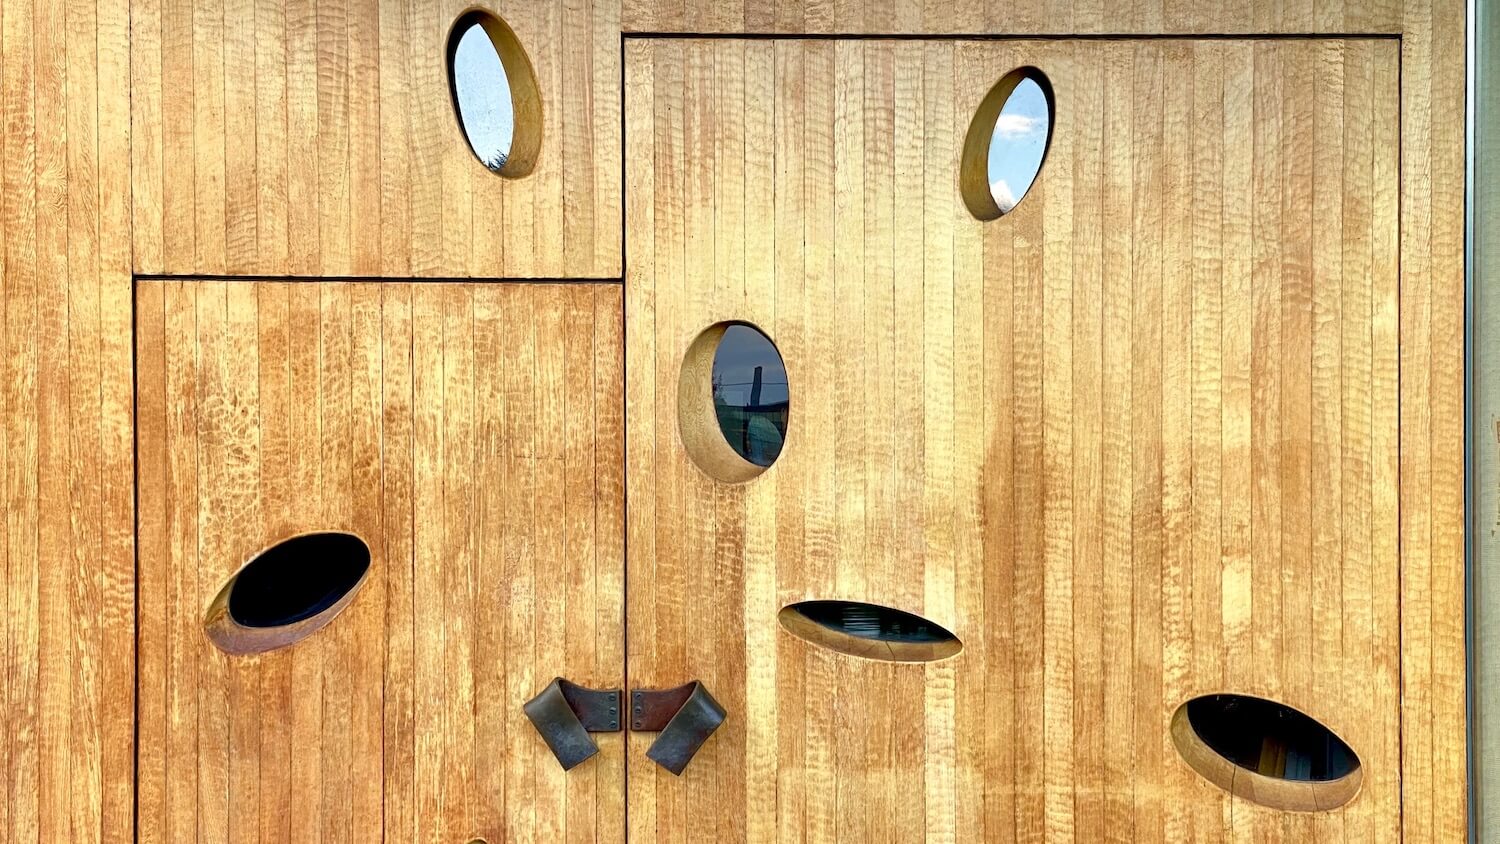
{"x": 750, "y": 394}
{"x": 872, "y": 621}
{"x": 1270, "y": 738}
{"x": 298, "y": 579}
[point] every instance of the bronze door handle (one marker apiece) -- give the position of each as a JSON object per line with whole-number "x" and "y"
{"x": 565, "y": 713}
{"x": 685, "y": 716}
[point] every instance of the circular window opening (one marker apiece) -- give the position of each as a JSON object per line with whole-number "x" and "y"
{"x": 1007, "y": 143}
{"x": 733, "y": 401}
{"x": 287, "y": 592}
{"x": 1266, "y": 752}
{"x": 494, "y": 94}
{"x": 869, "y": 630}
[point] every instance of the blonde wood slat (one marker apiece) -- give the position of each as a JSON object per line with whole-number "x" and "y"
{"x": 399, "y": 720}
{"x": 1356, "y": 330}
{"x": 1086, "y": 337}
{"x": 151, "y": 422}
{"x": 279, "y": 408}
{"x": 1385, "y": 413}
{"x": 1431, "y": 429}
{"x": 1030, "y": 17}
{"x": 1204, "y": 299}
{"x": 241, "y": 191}
{"x": 52, "y": 320}
{"x": 1147, "y": 332}
{"x": 1116, "y": 395}
{"x": 270, "y": 214}
{"x": 1107, "y": 396}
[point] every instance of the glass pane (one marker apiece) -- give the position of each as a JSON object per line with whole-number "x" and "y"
{"x": 1270, "y": 738}
{"x": 750, "y": 394}
{"x": 1018, "y": 144}
{"x": 297, "y": 579}
{"x": 484, "y": 97}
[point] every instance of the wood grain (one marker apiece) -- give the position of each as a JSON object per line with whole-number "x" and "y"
{"x": 163, "y": 136}
{"x": 318, "y": 138}
{"x": 471, "y": 435}
{"x": 1431, "y": 469}
{"x": 1026, "y": 17}
{"x": 68, "y": 595}
{"x": 1132, "y": 442}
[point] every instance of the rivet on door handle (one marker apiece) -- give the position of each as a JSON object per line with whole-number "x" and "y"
{"x": 565, "y": 713}
{"x": 685, "y": 716}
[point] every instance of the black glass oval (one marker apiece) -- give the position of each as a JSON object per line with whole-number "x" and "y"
{"x": 1270, "y": 738}
{"x": 297, "y": 579}
{"x": 750, "y": 391}
{"x": 872, "y": 621}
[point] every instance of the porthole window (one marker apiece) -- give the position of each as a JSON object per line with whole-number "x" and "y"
{"x": 734, "y": 402}
{"x": 869, "y": 630}
{"x": 1007, "y": 143}
{"x": 287, "y": 592}
{"x": 494, "y": 94}
{"x": 1266, "y": 752}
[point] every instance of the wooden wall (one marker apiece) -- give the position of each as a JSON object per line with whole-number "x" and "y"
{"x": 1432, "y": 82}
{"x": 1133, "y": 443}
{"x": 318, "y": 138}
{"x": 67, "y": 606}
{"x": 76, "y": 222}
{"x": 471, "y": 434}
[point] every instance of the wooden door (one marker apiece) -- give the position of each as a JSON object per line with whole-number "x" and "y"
{"x": 470, "y": 435}
{"x": 1133, "y": 442}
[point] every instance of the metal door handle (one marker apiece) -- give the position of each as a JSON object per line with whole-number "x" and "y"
{"x": 565, "y": 713}
{"x": 685, "y": 716}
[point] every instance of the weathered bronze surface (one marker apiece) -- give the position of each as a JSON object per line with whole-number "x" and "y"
{"x": 685, "y": 716}
{"x": 565, "y": 713}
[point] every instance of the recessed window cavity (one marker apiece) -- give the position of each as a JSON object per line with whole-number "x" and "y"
{"x": 1007, "y": 143}
{"x": 869, "y": 630}
{"x": 494, "y": 94}
{"x": 1266, "y": 752}
{"x": 733, "y": 401}
{"x": 287, "y": 592}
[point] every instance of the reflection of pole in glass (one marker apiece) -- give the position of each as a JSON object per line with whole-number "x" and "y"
{"x": 753, "y": 409}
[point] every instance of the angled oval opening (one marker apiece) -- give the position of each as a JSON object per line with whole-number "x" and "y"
{"x": 1007, "y": 143}
{"x": 871, "y": 631}
{"x": 495, "y": 94}
{"x": 733, "y": 401}
{"x": 1266, "y": 752}
{"x": 287, "y": 591}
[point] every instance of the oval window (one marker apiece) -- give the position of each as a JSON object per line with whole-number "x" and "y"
{"x": 494, "y": 94}
{"x": 734, "y": 401}
{"x": 288, "y": 591}
{"x": 1266, "y": 751}
{"x": 1007, "y": 143}
{"x": 869, "y": 630}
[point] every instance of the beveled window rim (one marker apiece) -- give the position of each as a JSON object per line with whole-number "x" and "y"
{"x": 236, "y": 639}
{"x": 974, "y": 162}
{"x": 524, "y": 90}
{"x": 797, "y": 623}
{"x": 698, "y": 420}
{"x": 1271, "y": 792}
